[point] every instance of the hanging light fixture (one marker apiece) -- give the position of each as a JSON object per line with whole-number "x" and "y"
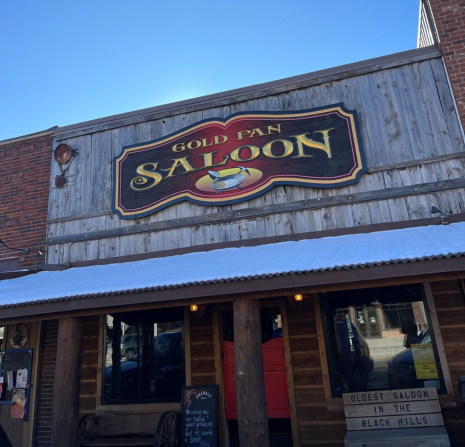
{"x": 194, "y": 307}
{"x": 298, "y": 297}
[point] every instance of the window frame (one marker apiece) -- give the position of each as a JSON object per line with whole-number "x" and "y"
{"x": 334, "y": 400}
{"x": 171, "y": 403}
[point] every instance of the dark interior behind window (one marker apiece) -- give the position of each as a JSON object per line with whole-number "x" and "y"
{"x": 144, "y": 356}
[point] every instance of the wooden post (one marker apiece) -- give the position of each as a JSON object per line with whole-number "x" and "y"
{"x": 223, "y": 437}
{"x": 290, "y": 376}
{"x": 65, "y": 415}
{"x": 250, "y": 382}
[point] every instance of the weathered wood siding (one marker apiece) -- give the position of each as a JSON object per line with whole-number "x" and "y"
{"x": 317, "y": 425}
{"x": 89, "y": 365}
{"x": 405, "y": 113}
{"x": 450, "y": 307}
{"x": 202, "y": 350}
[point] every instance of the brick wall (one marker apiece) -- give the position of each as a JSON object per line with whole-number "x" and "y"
{"x": 449, "y": 18}
{"x": 24, "y": 186}
{"x": 46, "y": 380}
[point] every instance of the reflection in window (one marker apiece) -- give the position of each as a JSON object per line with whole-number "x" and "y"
{"x": 380, "y": 339}
{"x": 144, "y": 358}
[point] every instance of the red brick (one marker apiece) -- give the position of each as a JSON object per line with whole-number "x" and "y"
{"x": 449, "y": 17}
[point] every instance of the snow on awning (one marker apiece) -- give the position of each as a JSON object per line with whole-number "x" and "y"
{"x": 238, "y": 264}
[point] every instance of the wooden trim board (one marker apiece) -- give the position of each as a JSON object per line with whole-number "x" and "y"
{"x": 322, "y": 347}
{"x": 187, "y": 346}
{"x": 290, "y": 376}
{"x": 217, "y": 344}
{"x": 248, "y": 213}
{"x": 438, "y": 337}
{"x": 101, "y": 356}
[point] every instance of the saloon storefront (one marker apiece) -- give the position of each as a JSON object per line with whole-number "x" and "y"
{"x": 281, "y": 241}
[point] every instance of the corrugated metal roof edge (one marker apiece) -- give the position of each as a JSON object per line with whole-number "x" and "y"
{"x": 241, "y": 278}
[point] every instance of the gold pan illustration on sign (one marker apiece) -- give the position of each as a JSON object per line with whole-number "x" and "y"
{"x": 228, "y": 179}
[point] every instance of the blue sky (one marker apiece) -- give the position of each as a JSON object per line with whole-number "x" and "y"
{"x": 63, "y": 62}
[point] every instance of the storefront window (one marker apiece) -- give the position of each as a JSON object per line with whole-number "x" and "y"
{"x": 1, "y": 338}
{"x": 380, "y": 339}
{"x": 144, "y": 356}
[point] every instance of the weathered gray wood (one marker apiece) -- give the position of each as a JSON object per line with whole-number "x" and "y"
{"x": 408, "y": 437}
{"x": 248, "y": 93}
{"x": 250, "y": 379}
{"x": 407, "y": 395}
{"x": 389, "y": 409}
{"x": 393, "y": 422}
{"x": 373, "y": 198}
{"x": 450, "y": 111}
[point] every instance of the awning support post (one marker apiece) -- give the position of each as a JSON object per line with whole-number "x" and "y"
{"x": 65, "y": 414}
{"x": 250, "y": 381}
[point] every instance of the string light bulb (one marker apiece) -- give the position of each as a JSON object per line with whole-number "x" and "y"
{"x": 194, "y": 307}
{"x": 298, "y": 297}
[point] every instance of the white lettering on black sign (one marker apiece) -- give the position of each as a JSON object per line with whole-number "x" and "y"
{"x": 199, "y": 416}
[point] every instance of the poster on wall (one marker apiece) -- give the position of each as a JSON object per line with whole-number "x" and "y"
{"x": 18, "y": 403}
{"x": 424, "y": 361}
{"x": 225, "y": 161}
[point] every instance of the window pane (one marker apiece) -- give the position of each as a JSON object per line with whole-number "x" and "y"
{"x": 144, "y": 359}
{"x": 380, "y": 340}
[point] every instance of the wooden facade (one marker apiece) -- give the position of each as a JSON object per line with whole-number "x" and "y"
{"x": 413, "y": 143}
{"x": 415, "y": 152}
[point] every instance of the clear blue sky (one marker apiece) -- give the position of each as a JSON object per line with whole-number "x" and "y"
{"x": 63, "y": 62}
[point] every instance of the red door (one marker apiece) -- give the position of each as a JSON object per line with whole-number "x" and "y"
{"x": 274, "y": 368}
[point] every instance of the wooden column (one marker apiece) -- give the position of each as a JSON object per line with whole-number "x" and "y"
{"x": 250, "y": 383}
{"x": 65, "y": 415}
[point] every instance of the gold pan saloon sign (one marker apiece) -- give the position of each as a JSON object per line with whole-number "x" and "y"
{"x": 219, "y": 162}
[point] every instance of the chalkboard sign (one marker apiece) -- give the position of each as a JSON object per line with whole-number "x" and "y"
{"x": 199, "y": 416}
{"x": 12, "y": 360}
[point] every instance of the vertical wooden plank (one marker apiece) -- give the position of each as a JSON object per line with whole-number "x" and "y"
{"x": 217, "y": 343}
{"x": 65, "y": 415}
{"x": 252, "y": 417}
{"x": 438, "y": 338}
{"x": 101, "y": 356}
{"x": 187, "y": 344}
{"x": 290, "y": 376}
{"x": 322, "y": 346}
{"x": 434, "y": 108}
{"x": 378, "y": 150}
{"x": 448, "y": 106}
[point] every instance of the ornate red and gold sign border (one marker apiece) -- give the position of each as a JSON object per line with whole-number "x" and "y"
{"x": 359, "y": 157}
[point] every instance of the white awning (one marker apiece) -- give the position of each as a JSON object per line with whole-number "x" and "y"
{"x": 238, "y": 264}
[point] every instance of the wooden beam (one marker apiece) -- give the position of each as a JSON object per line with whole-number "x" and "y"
{"x": 322, "y": 346}
{"x": 248, "y": 213}
{"x": 438, "y": 338}
{"x": 217, "y": 347}
{"x": 252, "y": 416}
{"x": 289, "y": 376}
{"x": 400, "y": 165}
{"x": 65, "y": 414}
{"x": 101, "y": 355}
{"x": 187, "y": 344}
